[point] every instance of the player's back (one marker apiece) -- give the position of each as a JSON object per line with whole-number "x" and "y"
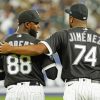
{"x": 21, "y": 68}
{"x": 81, "y": 50}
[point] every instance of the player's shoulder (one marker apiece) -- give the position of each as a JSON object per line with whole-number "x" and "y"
{"x": 64, "y": 31}
{"x": 20, "y": 35}
{"x": 23, "y": 36}
{"x": 10, "y": 37}
{"x": 73, "y": 29}
{"x": 81, "y": 29}
{"x": 61, "y": 32}
{"x": 93, "y": 31}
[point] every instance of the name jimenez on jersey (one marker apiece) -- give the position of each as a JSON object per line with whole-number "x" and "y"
{"x": 84, "y": 37}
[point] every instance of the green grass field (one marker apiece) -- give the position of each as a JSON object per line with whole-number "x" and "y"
{"x": 47, "y": 98}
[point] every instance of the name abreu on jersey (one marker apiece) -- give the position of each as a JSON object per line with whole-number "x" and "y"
{"x": 20, "y": 43}
{"x": 84, "y": 37}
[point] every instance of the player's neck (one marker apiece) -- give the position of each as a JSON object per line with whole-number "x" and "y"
{"x": 79, "y": 23}
{"x": 80, "y": 26}
{"x": 21, "y": 30}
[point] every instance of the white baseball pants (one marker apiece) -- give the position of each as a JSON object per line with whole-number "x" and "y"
{"x": 83, "y": 89}
{"x": 25, "y": 92}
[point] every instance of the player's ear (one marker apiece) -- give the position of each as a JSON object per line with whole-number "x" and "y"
{"x": 27, "y": 25}
{"x": 71, "y": 19}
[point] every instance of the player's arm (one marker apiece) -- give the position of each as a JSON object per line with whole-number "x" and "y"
{"x": 49, "y": 66}
{"x": 51, "y": 71}
{"x": 24, "y": 50}
{"x": 49, "y": 46}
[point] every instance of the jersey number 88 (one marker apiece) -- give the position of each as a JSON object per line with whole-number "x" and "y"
{"x": 17, "y": 64}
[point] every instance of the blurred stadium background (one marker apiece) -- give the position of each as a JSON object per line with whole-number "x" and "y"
{"x": 52, "y": 12}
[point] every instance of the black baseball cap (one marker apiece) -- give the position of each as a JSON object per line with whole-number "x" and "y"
{"x": 78, "y": 11}
{"x": 29, "y": 16}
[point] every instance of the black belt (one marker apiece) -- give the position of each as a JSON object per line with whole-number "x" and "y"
{"x": 30, "y": 83}
{"x": 35, "y": 83}
{"x": 83, "y": 79}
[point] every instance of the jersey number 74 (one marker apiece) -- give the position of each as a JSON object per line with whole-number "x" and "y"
{"x": 90, "y": 56}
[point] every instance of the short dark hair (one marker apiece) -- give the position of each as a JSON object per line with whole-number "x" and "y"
{"x": 78, "y": 11}
{"x": 29, "y": 16}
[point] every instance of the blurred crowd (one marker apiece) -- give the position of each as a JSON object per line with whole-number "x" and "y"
{"x": 51, "y": 11}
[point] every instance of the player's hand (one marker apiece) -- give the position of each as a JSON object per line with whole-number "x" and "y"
{"x": 5, "y": 48}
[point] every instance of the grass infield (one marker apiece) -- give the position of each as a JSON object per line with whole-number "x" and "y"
{"x": 47, "y": 98}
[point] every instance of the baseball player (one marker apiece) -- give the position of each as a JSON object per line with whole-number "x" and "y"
{"x": 23, "y": 74}
{"x": 79, "y": 52}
